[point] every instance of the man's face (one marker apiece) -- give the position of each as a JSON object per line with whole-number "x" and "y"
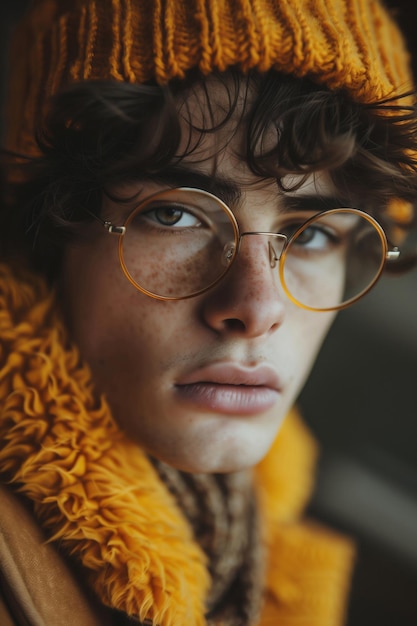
{"x": 203, "y": 383}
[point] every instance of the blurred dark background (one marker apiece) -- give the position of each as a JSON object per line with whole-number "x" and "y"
{"x": 361, "y": 403}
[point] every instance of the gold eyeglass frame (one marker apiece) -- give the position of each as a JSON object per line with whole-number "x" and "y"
{"x": 238, "y": 236}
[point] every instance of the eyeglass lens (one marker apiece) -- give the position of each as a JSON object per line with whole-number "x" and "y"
{"x": 182, "y": 241}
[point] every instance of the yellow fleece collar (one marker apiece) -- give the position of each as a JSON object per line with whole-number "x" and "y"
{"x": 96, "y": 492}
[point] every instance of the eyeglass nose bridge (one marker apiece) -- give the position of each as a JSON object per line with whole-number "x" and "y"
{"x": 276, "y": 245}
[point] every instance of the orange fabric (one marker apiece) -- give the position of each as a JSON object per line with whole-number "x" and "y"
{"x": 97, "y": 494}
{"x": 308, "y": 576}
{"x": 352, "y": 45}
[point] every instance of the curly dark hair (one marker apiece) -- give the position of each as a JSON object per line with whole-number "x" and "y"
{"x": 101, "y": 134}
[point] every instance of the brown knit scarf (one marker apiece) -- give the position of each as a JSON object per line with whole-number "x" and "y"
{"x": 223, "y": 512}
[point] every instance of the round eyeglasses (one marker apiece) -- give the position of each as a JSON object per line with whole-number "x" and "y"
{"x": 181, "y": 242}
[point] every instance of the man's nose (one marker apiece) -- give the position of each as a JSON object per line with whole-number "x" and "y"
{"x": 249, "y": 300}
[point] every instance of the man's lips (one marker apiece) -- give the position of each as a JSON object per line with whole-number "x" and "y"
{"x": 231, "y": 389}
{"x": 234, "y": 374}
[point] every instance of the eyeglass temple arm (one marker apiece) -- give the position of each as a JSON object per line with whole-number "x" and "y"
{"x": 111, "y": 228}
{"x": 393, "y": 255}
{"x": 114, "y": 230}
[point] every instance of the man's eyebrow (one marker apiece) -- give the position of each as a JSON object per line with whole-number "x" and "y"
{"x": 315, "y": 203}
{"x": 221, "y": 186}
{"x": 227, "y": 190}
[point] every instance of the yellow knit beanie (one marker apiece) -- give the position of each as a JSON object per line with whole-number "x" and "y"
{"x": 344, "y": 44}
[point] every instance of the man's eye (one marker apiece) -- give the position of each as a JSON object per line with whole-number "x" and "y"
{"x": 315, "y": 238}
{"x": 172, "y": 215}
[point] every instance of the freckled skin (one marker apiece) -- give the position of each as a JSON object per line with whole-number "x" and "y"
{"x": 139, "y": 347}
{"x": 191, "y": 266}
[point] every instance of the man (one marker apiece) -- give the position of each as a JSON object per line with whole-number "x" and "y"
{"x": 199, "y": 188}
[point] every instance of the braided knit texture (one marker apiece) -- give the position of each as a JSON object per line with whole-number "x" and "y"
{"x": 344, "y": 44}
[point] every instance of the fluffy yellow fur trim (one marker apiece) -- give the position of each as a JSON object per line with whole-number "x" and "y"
{"x": 99, "y": 497}
{"x": 92, "y": 489}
